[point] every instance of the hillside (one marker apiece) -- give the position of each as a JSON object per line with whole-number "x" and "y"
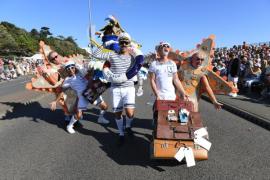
{"x": 15, "y": 41}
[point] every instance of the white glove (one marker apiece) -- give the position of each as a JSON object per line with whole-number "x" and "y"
{"x": 96, "y": 65}
{"x": 91, "y": 64}
{"x": 99, "y": 65}
{"x": 114, "y": 78}
{"x": 110, "y": 42}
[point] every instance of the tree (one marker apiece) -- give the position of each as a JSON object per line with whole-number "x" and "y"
{"x": 7, "y": 42}
{"x": 34, "y": 33}
{"x": 71, "y": 39}
{"x": 44, "y": 33}
{"x": 61, "y": 37}
{"x": 19, "y": 42}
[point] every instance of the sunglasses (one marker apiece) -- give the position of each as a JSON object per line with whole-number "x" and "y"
{"x": 124, "y": 42}
{"x": 199, "y": 59}
{"x": 54, "y": 57}
{"x": 165, "y": 45}
{"x": 69, "y": 68}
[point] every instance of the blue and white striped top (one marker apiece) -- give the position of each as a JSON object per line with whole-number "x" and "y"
{"x": 119, "y": 64}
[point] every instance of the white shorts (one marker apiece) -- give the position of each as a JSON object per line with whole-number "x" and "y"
{"x": 122, "y": 97}
{"x": 83, "y": 102}
{"x": 233, "y": 79}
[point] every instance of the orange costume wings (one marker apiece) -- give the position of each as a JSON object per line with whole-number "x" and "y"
{"x": 218, "y": 84}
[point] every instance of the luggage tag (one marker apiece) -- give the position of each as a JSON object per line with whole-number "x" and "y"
{"x": 189, "y": 157}
{"x": 180, "y": 154}
{"x": 171, "y": 116}
{"x": 183, "y": 116}
{"x": 201, "y": 132}
{"x": 203, "y": 143}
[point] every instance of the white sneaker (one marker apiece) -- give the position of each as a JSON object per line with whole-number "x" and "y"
{"x": 70, "y": 129}
{"x": 102, "y": 120}
{"x": 139, "y": 92}
{"x": 233, "y": 94}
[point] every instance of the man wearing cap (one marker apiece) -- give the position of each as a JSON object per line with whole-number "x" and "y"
{"x": 123, "y": 66}
{"x": 163, "y": 75}
{"x": 58, "y": 60}
{"x": 77, "y": 82}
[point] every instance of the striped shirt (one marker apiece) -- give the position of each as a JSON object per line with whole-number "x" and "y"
{"x": 119, "y": 64}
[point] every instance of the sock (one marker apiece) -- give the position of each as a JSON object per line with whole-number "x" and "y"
{"x": 141, "y": 83}
{"x": 119, "y": 123}
{"x": 128, "y": 122}
{"x": 102, "y": 112}
{"x": 72, "y": 121}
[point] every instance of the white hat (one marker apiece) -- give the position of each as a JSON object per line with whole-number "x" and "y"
{"x": 69, "y": 63}
{"x": 111, "y": 19}
{"x": 124, "y": 36}
{"x": 162, "y": 44}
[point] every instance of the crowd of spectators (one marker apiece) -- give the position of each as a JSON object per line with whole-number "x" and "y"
{"x": 247, "y": 66}
{"x": 11, "y": 69}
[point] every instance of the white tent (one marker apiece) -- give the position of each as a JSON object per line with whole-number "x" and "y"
{"x": 35, "y": 57}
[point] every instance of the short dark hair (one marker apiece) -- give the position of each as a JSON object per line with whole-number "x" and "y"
{"x": 50, "y": 55}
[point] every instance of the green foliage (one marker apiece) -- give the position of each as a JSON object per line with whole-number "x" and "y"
{"x": 15, "y": 41}
{"x": 7, "y": 42}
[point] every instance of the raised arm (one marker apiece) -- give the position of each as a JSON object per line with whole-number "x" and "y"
{"x": 98, "y": 54}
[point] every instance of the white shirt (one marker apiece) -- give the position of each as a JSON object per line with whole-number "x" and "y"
{"x": 164, "y": 78}
{"x": 76, "y": 82}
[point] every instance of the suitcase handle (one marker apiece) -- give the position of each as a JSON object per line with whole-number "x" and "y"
{"x": 178, "y": 144}
{"x": 190, "y": 131}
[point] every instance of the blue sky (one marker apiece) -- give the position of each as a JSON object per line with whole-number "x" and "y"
{"x": 183, "y": 23}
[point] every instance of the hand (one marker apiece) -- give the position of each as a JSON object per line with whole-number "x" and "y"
{"x": 53, "y": 105}
{"x": 158, "y": 97}
{"x": 218, "y": 105}
{"x": 186, "y": 97}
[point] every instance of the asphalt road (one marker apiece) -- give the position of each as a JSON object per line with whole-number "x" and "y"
{"x": 35, "y": 145}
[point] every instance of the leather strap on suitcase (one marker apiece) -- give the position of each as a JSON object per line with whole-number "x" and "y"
{"x": 165, "y": 105}
{"x": 166, "y": 149}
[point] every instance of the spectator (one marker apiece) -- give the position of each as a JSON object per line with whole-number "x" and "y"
{"x": 234, "y": 72}
{"x": 266, "y": 78}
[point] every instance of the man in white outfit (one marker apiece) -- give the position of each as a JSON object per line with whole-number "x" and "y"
{"x": 123, "y": 93}
{"x": 163, "y": 75}
{"x": 77, "y": 82}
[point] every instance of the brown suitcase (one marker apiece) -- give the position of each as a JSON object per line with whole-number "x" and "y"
{"x": 176, "y": 131}
{"x": 166, "y": 149}
{"x": 170, "y": 136}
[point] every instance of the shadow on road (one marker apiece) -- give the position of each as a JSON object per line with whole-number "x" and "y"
{"x": 35, "y": 111}
{"x": 135, "y": 151}
{"x": 254, "y": 98}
